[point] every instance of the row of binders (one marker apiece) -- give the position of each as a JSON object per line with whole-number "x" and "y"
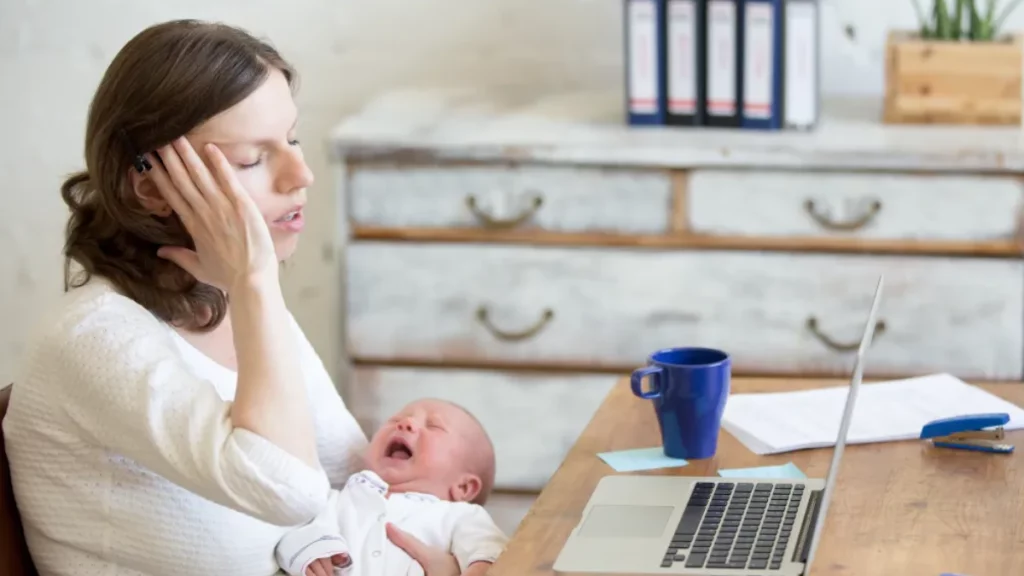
{"x": 730, "y": 63}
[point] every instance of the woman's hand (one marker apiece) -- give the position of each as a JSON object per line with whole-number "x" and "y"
{"x": 435, "y": 561}
{"x": 231, "y": 238}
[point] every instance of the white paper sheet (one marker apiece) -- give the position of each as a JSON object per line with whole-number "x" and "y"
{"x": 785, "y": 421}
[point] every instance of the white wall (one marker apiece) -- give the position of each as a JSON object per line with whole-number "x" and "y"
{"x": 53, "y": 52}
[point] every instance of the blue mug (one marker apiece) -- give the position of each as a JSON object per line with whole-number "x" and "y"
{"x": 689, "y": 387}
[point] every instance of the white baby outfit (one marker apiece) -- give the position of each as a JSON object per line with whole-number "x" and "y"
{"x": 354, "y": 524}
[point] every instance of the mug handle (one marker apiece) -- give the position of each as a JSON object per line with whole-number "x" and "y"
{"x": 636, "y": 381}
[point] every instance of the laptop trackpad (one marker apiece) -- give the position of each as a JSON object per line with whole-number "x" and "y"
{"x": 626, "y": 521}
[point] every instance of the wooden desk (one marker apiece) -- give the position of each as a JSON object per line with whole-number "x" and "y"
{"x": 900, "y": 508}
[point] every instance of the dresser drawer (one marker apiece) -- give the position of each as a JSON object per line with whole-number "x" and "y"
{"x": 775, "y": 312}
{"x": 855, "y": 205}
{"x": 551, "y": 198}
{"x": 533, "y": 419}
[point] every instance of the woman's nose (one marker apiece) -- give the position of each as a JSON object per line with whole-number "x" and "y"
{"x": 295, "y": 174}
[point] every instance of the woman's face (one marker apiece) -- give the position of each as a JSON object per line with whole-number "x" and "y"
{"x": 258, "y": 137}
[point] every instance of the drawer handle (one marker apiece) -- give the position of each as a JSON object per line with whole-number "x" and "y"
{"x": 848, "y": 226}
{"x": 503, "y": 223}
{"x": 812, "y": 325}
{"x": 484, "y": 317}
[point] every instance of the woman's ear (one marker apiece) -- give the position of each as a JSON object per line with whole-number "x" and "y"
{"x": 466, "y": 488}
{"x": 148, "y": 194}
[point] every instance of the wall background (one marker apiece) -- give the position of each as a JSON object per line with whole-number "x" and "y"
{"x": 53, "y": 53}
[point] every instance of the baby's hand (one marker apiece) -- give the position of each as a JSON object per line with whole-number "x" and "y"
{"x": 325, "y": 566}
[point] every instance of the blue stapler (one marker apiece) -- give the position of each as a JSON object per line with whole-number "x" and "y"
{"x": 969, "y": 432}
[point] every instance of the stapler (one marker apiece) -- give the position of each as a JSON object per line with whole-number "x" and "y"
{"x": 969, "y": 432}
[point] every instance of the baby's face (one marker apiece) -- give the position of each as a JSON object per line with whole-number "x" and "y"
{"x": 429, "y": 446}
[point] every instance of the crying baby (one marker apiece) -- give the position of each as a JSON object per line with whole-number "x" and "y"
{"x": 434, "y": 447}
{"x": 428, "y": 470}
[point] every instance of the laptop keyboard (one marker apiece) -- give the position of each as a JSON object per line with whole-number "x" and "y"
{"x": 739, "y": 526}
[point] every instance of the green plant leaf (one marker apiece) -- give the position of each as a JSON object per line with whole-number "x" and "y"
{"x": 986, "y": 32}
{"x": 922, "y": 22}
{"x": 943, "y": 23}
{"x": 958, "y": 19}
{"x": 974, "y": 26}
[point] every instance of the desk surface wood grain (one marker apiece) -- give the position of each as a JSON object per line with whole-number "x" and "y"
{"x": 902, "y": 508}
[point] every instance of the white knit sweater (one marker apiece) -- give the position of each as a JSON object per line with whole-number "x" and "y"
{"x": 124, "y": 459}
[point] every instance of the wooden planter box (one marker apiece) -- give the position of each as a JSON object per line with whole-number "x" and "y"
{"x": 951, "y": 82}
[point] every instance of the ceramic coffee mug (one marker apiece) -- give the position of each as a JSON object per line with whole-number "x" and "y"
{"x": 689, "y": 388}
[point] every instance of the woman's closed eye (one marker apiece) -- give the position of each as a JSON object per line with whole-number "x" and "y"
{"x": 259, "y": 160}
{"x": 253, "y": 164}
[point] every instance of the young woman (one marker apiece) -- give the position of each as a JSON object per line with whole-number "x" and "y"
{"x": 173, "y": 418}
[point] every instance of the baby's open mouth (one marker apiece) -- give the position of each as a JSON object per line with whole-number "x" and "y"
{"x": 398, "y": 450}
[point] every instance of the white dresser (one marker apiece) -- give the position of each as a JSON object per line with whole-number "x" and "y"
{"x": 520, "y": 255}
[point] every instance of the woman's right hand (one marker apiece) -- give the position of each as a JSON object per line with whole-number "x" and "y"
{"x": 232, "y": 241}
{"x": 434, "y": 561}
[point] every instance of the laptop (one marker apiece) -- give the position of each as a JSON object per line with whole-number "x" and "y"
{"x": 635, "y": 524}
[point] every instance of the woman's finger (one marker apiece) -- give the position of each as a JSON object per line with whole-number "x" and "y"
{"x": 408, "y": 543}
{"x": 225, "y": 176}
{"x": 182, "y": 181}
{"x": 169, "y": 191}
{"x": 198, "y": 172}
{"x": 186, "y": 259}
{"x": 435, "y": 562}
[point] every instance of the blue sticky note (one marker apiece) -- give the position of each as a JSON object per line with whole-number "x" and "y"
{"x": 788, "y": 470}
{"x": 640, "y": 459}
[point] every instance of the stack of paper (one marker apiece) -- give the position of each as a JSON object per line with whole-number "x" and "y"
{"x": 886, "y": 411}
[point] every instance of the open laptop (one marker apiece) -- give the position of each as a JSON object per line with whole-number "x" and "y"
{"x": 635, "y": 524}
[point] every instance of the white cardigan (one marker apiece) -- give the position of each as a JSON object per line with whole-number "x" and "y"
{"x": 124, "y": 459}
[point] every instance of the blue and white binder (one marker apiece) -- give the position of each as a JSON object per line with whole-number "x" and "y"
{"x": 724, "y": 52}
{"x": 686, "y": 62}
{"x": 802, "y": 65}
{"x": 763, "y": 64}
{"x": 645, "y": 61}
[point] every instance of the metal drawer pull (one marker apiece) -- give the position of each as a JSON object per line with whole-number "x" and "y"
{"x": 484, "y": 317}
{"x": 503, "y": 223}
{"x": 812, "y": 325}
{"x": 849, "y": 226}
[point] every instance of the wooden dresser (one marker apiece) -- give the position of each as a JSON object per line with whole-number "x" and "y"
{"x": 519, "y": 255}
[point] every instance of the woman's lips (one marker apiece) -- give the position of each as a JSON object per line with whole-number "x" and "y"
{"x": 291, "y": 222}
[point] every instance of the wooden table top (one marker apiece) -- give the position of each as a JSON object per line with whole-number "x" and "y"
{"x": 900, "y": 508}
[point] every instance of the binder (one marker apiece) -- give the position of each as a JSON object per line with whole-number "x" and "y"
{"x": 802, "y": 65}
{"x": 762, "y": 64}
{"x": 724, "y": 62}
{"x": 645, "y": 57}
{"x": 686, "y": 77}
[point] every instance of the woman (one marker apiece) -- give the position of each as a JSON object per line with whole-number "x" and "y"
{"x": 173, "y": 418}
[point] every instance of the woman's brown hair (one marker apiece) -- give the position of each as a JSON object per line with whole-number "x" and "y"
{"x": 164, "y": 82}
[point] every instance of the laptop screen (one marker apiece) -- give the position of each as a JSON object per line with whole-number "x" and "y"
{"x": 844, "y": 425}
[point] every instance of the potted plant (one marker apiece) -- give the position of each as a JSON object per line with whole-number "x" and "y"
{"x": 958, "y": 67}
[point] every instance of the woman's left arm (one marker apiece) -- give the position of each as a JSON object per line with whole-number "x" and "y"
{"x": 340, "y": 441}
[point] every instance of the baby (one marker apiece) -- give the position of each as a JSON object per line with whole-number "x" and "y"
{"x": 428, "y": 470}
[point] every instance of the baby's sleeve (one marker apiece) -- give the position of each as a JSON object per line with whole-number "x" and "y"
{"x": 475, "y": 537}
{"x": 321, "y": 538}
